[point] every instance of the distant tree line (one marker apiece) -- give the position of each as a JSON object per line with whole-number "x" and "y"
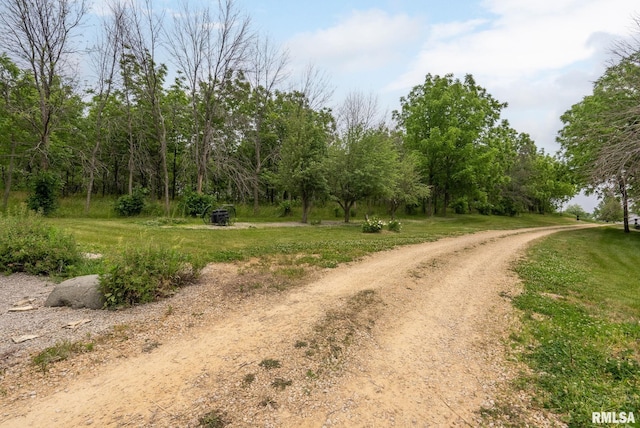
{"x": 234, "y": 124}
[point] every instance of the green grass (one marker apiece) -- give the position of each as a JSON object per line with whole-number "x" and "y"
{"x": 323, "y": 245}
{"x": 581, "y": 323}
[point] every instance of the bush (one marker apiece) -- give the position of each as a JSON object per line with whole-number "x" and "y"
{"x": 130, "y": 205}
{"x": 194, "y": 204}
{"x": 29, "y": 245}
{"x": 395, "y": 225}
{"x": 372, "y": 225}
{"x": 144, "y": 275}
{"x": 285, "y": 209}
{"x": 43, "y": 193}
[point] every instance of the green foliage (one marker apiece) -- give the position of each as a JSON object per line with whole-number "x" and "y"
{"x": 130, "y": 205}
{"x": 270, "y": 363}
{"x": 372, "y": 225}
{"x": 581, "y": 333}
{"x": 285, "y": 208}
{"x": 213, "y": 419}
{"x": 609, "y": 209}
{"x": 194, "y": 204}
{"x": 43, "y": 193}
{"x": 28, "y": 244}
{"x": 394, "y": 225}
{"x": 60, "y": 352}
{"x": 145, "y": 274}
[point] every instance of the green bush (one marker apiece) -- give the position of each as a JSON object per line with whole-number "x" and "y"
{"x": 43, "y": 193}
{"x": 28, "y": 244}
{"x": 130, "y": 205}
{"x": 394, "y": 225}
{"x": 372, "y": 225}
{"x": 193, "y": 204}
{"x": 144, "y": 275}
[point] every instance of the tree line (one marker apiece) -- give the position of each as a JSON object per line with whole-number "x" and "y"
{"x": 600, "y": 138}
{"x": 232, "y": 122}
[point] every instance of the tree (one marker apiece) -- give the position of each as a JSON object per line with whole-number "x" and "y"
{"x": 444, "y": 120}
{"x": 209, "y": 48}
{"x": 600, "y": 133}
{"x": 106, "y": 58}
{"x": 577, "y": 211}
{"x": 609, "y": 208}
{"x": 363, "y": 162}
{"x": 304, "y": 134}
{"x": 38, "y": 33}
{"x": 141, "y": 33}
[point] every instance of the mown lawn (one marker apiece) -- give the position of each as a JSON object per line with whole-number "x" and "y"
{"x": 581, "y": 323}
{"x": 325, "y": 245}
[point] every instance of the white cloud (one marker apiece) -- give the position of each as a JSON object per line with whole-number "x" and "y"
{"x": 521, "y": 39}
{"x": 364, "y": 40}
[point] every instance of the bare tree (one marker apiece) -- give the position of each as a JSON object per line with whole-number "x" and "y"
{"x": 142, "y": 30}
{"x": 106, "y": 57}
{"x": 267, "y": 70}
{"x": 209, "y": 47}
{"x": 38, "y": 33}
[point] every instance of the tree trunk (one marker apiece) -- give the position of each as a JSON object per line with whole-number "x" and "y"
{"x": 7, "y": 183}
{"x": 625, "y": 204}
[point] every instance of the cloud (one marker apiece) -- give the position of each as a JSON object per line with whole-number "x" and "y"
{"x": 363, "y": 40}
{"x": 520, "y": 39}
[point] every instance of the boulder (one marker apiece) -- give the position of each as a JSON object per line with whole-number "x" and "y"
{"x": 79, "y": 292}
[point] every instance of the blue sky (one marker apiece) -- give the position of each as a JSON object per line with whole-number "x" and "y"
{"x": 538, "y": 56}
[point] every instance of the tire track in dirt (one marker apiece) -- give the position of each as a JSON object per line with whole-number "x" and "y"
{"x": 435, "y": 352}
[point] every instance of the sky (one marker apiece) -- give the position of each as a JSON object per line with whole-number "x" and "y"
{"x": 540, "y": 57}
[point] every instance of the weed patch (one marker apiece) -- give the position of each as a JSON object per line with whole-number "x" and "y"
{"x": 581, "y": 331}
{"x": 59, "y": 352}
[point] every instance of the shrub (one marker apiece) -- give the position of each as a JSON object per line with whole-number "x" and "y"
{"x": 130, "y": 205}
{"x": 394, "y": 225}
{"x": 43, "y": 193}
{"x": 194, "y": 204}
{"x": 29, "y": 245}
{"x": 144, "y": 275}
{"x": 285, "y": 209}
{"x": 372, "y": 225}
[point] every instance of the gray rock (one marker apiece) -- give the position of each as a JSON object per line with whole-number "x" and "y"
{"x": 79, "y": 292}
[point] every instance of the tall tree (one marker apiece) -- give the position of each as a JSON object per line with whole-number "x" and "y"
{"x": 38, "y": 33}
{"x": 106, "y": 57}
{"x": 304, "y": 134}
{"x": 363, "y": 162}
{"x": 142, "y": 41}
{"x": 209, "y": 46}
{"x": 444, "y": 120}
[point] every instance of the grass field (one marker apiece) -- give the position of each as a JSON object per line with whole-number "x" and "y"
{"x": 581, "y": 323}
{"x": 325, "y": 245}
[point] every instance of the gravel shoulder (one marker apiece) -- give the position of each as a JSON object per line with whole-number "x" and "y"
{"x": 410, "y": 336}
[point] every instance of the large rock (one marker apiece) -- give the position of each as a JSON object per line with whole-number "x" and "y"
{"x": 79, "y": 292}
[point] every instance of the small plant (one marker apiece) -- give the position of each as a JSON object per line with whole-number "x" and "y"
{"x": 372, "y": 225}
{"x": 213, "y": 419}
{"x": 280, "y": 384}
{"x": 301, "y": 344}
{"x": 43, "y": 193}
{"x": 394, "y": 225}
{"x": 142, "y": 275}
{"x": 194, "y": 204}
{"x": 28, "y": 244}
{"x": 248, "y": 379}
{"x": 60, "y": 352}
{"x": 130, "y": 205}
{"x": 285, "y": 208}
{"x": 269, "y": 364}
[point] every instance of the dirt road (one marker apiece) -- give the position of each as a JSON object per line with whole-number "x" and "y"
{"x": 407, "y": 337}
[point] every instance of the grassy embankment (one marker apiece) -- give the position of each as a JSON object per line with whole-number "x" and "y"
{"x": 581, "y": 323}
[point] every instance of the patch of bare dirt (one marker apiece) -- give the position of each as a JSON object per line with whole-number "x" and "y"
{"x": 411, "y": 336}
